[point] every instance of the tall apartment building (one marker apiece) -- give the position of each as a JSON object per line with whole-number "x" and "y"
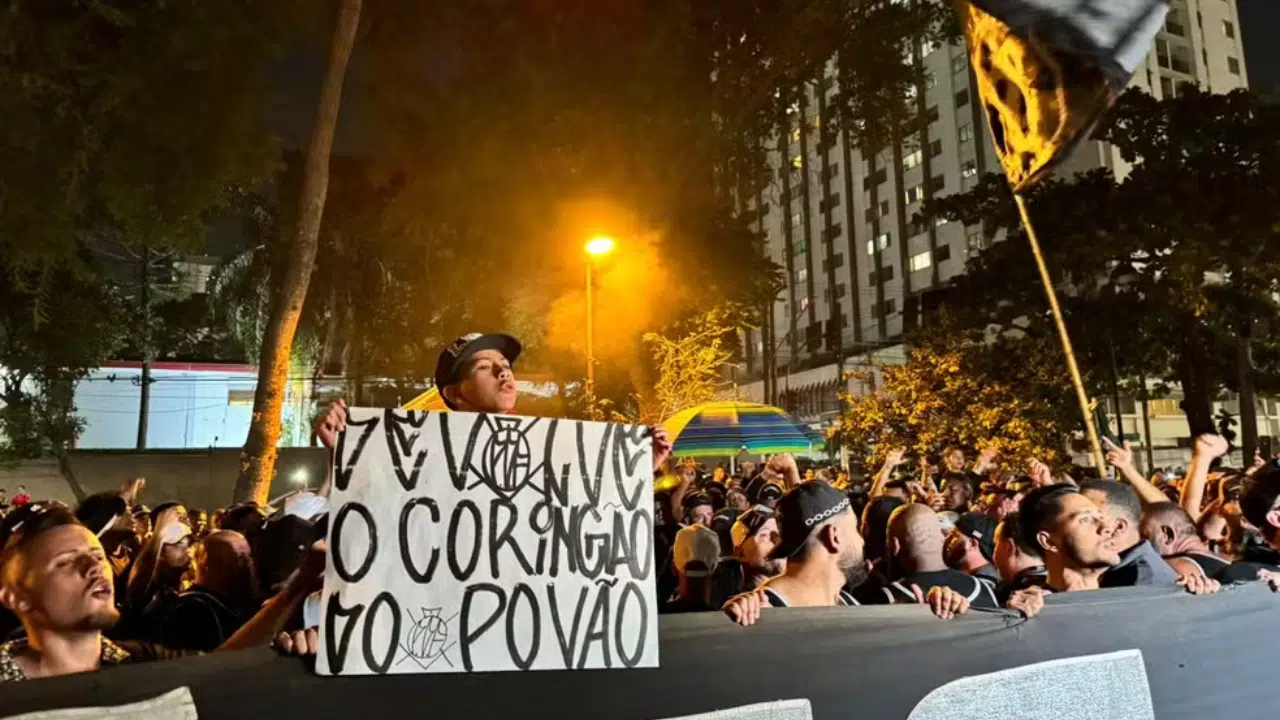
{"x": 842, "y": 224}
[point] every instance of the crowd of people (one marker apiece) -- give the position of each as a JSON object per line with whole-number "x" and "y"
{"x": 113, "y": 581}
{"x": 960, "y": 536}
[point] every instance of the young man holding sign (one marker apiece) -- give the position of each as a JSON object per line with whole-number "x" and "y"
{"x": 473, "y": 374}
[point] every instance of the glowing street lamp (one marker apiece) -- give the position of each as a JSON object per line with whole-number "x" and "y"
{"x": 600, "y": 245}
{"x": 596, "y": 247}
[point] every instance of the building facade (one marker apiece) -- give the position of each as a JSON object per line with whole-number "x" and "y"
{"x": 843, "y": 224}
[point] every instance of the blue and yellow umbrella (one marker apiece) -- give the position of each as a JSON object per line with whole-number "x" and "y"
{"x": 724, "y": 429}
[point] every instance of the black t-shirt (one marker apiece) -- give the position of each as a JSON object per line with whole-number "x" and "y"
{"x": 1210, "y": 565}
{"x": 1036, "y": 576}
{"x": 727, "y": 580}
{"x": 1140, "y": 566}
{"x": 979, "y": 593}
{"x": 776, "y": 600}
{"x": 200, "y": 619}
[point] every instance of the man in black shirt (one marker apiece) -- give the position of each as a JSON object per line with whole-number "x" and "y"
{"x": 695, "y": 556}
{"x": 1139, "y": 563}
{"x": 915, "y": 559}
{"x": 1020, "y": 564}
{"x": 970, "y": 545}
{"x": 1170, "y": 530}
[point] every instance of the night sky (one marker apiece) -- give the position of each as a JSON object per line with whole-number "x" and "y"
{"x": 1259, "y": 23}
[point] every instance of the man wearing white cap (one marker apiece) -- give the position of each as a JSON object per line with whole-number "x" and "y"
{"x": 695, "y": 554}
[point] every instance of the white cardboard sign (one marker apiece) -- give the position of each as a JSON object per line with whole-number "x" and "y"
{"x": 461, "y": 542}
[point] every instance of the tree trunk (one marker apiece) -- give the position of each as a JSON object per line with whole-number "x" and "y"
{"x": 258, "y": 458}
{"x": 1197, "y": 385}
{"x": 144, "y": 394}
{"x": 1248, "y": 403}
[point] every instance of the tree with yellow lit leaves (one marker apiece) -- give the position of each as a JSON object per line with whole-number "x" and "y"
{"x": 688, "y": 362}
{"x": 1008, "y": 392}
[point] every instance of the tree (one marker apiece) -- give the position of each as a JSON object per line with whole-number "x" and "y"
{"x": 43, "y": 360}
{"x": 1166, "y": 268}
{"x": 129, "y": 122}
{"x": 1002, "y": 391}
{"x": 257, "y": 458}
{"x": 689, "y": 364}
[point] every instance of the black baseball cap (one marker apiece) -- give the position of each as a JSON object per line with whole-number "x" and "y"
{"x": 28, "y": 521}
{"x": 804, "y": 508}
{"x": 981, "y": 528}
{"x": 761, "y": 489}
{"x": 452, "y": 358}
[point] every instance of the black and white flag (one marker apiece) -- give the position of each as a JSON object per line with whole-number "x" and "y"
{"x": 1048, "y": 69}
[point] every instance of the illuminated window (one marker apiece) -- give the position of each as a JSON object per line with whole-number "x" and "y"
{"x": 921, "y": 261}
{"x": 795, "y": 135}
{"x": 912, "y": 159}
{"x": 969, "y": 168}
{"x": 797, "y": 162}
{"x": 966, "y": 132}
{"x": 883, "y": 240}
{"x": 915, "y": 193}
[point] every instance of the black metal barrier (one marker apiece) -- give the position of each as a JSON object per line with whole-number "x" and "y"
{"x": 1205, "y": 657}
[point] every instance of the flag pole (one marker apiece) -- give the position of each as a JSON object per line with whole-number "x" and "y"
{"x": 1094, "y": 444}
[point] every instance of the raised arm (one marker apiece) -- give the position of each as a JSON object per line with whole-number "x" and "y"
{"x": 892, "y": 460}
{"x": 144, "y": 567}
{"x": 1203, "y": 451}
{"x": 1121, "y": 458}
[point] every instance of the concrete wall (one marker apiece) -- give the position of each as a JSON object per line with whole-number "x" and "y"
{"x": 199, "y": 478}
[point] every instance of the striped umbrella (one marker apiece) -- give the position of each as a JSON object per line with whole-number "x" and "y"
{"x": 727, "y": 428}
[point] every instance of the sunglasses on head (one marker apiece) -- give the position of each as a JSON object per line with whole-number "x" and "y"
{"x": 29, "y": 518}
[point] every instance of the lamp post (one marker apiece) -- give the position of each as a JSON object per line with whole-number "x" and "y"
{"x": 596, "y": 247}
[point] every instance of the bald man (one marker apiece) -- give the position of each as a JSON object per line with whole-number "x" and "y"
{"x": 914, "y": 550}
{"x": 222, "y": 598}
{"x": 1173, "y": 533}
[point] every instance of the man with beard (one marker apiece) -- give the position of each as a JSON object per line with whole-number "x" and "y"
{"x": 755, "y": 535}
{"x": 820, "y": 543}
{"x": 823, "y": 551}
{"x": 1170, "y": 530}
{"x": 915, "y": 560}
{"x": 55, "y": 577}
{"x": 1139, "y": 564}
{"x": 970, "y": 546}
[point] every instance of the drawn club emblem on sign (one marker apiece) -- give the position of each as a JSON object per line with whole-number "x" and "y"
{"x": 505, "y": 463}
{"x": 506, "y": 455}
{"x": 428, "y": 638}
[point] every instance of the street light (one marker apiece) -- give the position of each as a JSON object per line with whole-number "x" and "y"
{"x": 596, "y": 247}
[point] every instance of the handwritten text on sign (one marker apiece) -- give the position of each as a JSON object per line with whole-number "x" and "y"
{"x": 463, "y": 542}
